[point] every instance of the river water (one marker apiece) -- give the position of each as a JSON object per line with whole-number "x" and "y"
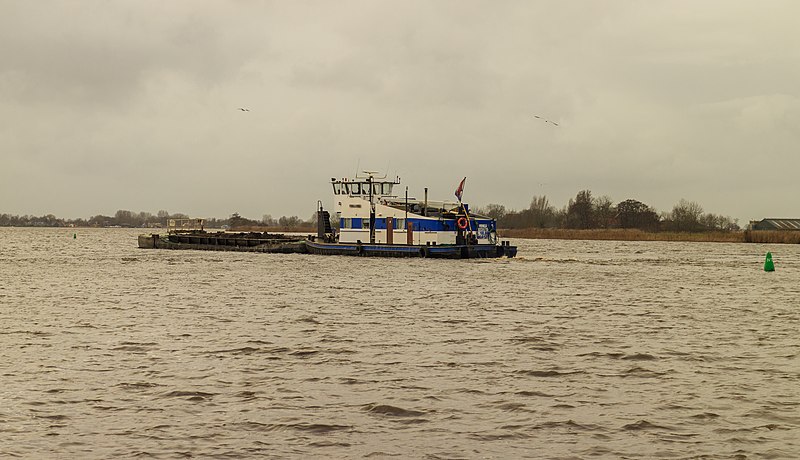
{"x": 575, "y": 349}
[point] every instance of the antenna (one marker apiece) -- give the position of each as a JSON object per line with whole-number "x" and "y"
{"x": 373, "y": 174}
{"x": 370, "y": 173}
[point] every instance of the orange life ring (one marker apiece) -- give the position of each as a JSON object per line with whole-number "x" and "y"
{"x": 462, "y": 223}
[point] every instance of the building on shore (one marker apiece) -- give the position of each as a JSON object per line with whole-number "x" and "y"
{"x": 775, "y": 224}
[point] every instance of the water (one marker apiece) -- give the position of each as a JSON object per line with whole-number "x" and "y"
{"x": 572, "y": 350}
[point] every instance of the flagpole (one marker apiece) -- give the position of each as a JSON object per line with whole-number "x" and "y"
{"x": 461, "y": 204}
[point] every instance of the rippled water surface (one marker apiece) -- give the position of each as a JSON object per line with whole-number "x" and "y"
{"x": 572, "y": 350}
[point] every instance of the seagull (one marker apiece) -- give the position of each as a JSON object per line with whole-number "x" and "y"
{"x": 243, "y": 109}
{"x": 545, "y": 120}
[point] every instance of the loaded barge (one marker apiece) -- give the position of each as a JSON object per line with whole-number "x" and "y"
{"x": 221, "y": 241}
{"x": 372, "y": 222}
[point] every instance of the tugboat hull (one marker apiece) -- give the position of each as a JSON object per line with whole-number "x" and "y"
{"x": 477, "y": 251}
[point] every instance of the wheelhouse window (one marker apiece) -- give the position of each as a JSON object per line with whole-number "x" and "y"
{"x": 362, "y": 188}
{"x": 347, "y": 222}
{"x": 399, "y": 223}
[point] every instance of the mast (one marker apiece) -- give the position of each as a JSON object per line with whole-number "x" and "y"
{"x": 406, "y": 204}
{"x": 425, "y": 209}
{"x": 371, "y": 212}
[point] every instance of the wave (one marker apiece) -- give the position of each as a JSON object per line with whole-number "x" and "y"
{"x": 643, "y": 425}
{"x": 547, "y": 373}
{"x": 393, "y": 411}
{"x": 190, "y": 395}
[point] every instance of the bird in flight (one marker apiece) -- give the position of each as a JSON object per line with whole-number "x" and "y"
{"x": 545, "y": 120}
{"x": 243, "y": 109}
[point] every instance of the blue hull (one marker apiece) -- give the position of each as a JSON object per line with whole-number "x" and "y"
{"x": 476, "y": 251}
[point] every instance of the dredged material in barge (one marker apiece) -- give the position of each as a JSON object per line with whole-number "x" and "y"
{"x": 225, "y": 241}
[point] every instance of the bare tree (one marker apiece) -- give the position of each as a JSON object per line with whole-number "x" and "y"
{"x": 541, "y": 212}
{"x": 290, "y": 222}
{"x": 267, "y": 220}
{"x": 495, "y": 211}
{"x": 604, "y": 211}
{"x": 579, "y": 210}
{"x": 719, "y": 222}
{"x": 685, "y": 216}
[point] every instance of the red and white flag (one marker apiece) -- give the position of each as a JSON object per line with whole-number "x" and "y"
{"x": 460, "y": 189}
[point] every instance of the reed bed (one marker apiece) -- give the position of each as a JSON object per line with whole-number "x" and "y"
{"x": 619, "y": 234}
{"x": 772, "y": 236}
{"x": 610, "y": 234}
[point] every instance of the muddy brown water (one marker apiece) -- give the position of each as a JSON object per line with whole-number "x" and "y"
{"x": 575, "y": 349}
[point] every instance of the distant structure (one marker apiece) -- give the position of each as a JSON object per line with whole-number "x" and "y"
{"x": 775, "y": 224}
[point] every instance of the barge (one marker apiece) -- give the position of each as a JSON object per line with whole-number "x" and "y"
{"x": 224, "y": 241}
{"x": 190, "y": 234}
{"x": 372, "y": 222}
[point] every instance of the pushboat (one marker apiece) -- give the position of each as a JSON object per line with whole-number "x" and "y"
{"x": 372, "y": 222}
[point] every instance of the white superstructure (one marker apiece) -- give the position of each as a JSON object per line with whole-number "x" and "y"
{"x": 366, "y": 204}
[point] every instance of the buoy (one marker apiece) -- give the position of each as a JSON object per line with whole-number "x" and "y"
{"x": 768, "y": 265}
{"x": 74, "y": 236}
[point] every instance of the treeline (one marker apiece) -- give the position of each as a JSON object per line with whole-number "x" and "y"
{"x": 237, "y": 221}
{"x": 129, "y": 219}
{"x": 583, "y": 212}
{"x": 588, "y": 212}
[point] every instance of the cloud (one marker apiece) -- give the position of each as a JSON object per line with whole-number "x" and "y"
{"x": 655, "y": 102}
{"x": 98, "y": 53}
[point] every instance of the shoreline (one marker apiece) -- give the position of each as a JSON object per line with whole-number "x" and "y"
{"x": 613, "y": 234}
{"x": 617, "y": 234}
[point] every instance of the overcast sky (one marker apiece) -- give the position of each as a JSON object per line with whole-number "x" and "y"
{"x": 108, "y": 105}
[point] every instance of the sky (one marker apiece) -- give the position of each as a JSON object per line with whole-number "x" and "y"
{"x": 108, "y": 105}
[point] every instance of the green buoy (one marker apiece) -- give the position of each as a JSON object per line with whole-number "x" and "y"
{"x": 768, "y": 265}
{"x": 74, "y": 236}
